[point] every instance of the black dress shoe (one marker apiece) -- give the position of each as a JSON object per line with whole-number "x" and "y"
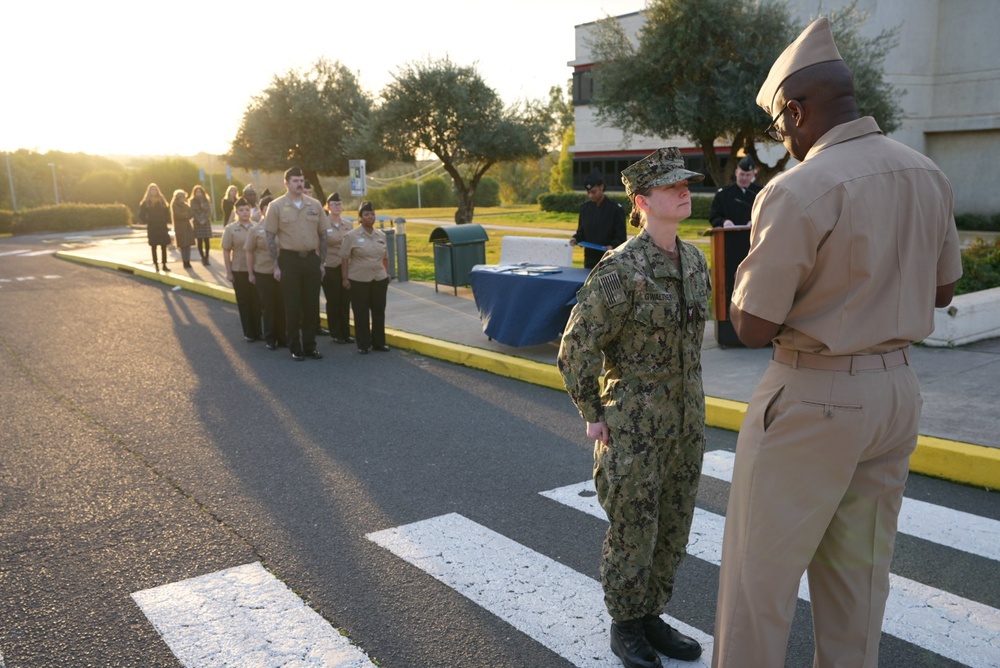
{"x": 298, "y": 357}
{"x": 337, "y": 339}
{"x": 314, "y": 354}
{"x": 669, "y": 641}
{"x": 381, "y": 349}
{"x": 271, "y": 346}
{"x": 362, "y": 351}
{"x": 249, "y": 339}
{"x": 628, "y": 642}
{"x": 323, "y": 331}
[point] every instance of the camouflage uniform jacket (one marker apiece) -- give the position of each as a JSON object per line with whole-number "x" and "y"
{"x": 645, "y": 321}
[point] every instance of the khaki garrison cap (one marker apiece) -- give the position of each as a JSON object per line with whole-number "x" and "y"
{"x": 815, "y": 45}
{"x": 660, "y": 168}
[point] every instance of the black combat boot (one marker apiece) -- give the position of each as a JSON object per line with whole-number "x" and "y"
{"x": 669, "y": 641}
{"x": 628, "y": 642}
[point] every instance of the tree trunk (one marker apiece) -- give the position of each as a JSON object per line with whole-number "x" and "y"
{"x": 466, "y": 205}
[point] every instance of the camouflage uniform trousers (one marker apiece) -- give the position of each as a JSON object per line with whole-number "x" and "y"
{"x": 647, "y": 487}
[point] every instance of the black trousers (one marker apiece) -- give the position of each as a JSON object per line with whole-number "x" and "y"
{"x": 272, "y": 306}
{"x": 248, "y": 302}
{"x": 338, "y": 303}
{"x": 300, "y": 278}
{"x": 163, "y": 252}
{"x": 204, "y": 245}
{"x": 368, "y": 301}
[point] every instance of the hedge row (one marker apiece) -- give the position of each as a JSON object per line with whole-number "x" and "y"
{"x": 570, "y": 203}
{"x": 978, "y": 222}
{"x": 65, "y": 218}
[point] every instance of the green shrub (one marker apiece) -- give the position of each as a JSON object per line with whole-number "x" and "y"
{"x": 72, "y": 217}
{"x": 978, "y": 222}
{"x": 7, "y": 221}
{"x": 980, "y": 267}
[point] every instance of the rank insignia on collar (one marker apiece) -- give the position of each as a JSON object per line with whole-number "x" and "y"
{"x": 611, "y": 286}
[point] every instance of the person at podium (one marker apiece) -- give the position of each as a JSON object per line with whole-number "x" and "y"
{"x": 732, "y": 205}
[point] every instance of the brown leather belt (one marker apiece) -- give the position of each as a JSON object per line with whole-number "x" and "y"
{"x": 853, "y": 363}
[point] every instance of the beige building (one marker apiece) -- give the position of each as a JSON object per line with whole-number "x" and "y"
{"x": 946, "y": 62}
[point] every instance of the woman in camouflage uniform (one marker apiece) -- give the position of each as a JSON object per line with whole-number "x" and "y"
{"x": 641, "y": 314}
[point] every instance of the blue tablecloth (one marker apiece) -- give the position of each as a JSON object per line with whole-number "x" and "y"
{"x": 519, "y": 309}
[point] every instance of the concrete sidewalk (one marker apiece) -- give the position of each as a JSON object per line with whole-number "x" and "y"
{"x": 960, "y": 427}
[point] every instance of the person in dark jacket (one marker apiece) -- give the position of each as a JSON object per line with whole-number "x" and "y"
{"x": 601, "y": 222}
{"x": 732, "y": 204}
{"x": 155, "y": 214}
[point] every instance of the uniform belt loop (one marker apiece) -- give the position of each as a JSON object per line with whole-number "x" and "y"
{"x": 906, "y": 355}
{"x": 795, "y": 359}
{"x": 853, "y": 358}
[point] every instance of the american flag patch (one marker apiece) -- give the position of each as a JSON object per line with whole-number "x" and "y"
{"x": 611, "y": 286}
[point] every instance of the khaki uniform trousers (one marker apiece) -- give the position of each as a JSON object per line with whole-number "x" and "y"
{"x": 821, "y": 463}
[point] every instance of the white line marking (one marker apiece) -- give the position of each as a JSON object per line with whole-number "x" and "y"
{"x": 952, "y": 528}
{"x": 244, "y": 616}
{"x": 557, "y": 606}
{"x": 41, "y": 252}
{"x": 952, "y": 626}
{"x": 15, "y": 252}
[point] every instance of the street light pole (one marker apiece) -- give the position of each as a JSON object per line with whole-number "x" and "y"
{"x": 55, "y": 184}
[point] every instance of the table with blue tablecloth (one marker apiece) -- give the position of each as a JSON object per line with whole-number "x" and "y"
{"x": 525, "y": 305}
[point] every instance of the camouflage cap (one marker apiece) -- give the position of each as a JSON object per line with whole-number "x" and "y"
{"x": 660, "y": 168}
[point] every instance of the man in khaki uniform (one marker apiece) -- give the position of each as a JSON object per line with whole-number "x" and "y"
{"x": 850, "y": 252}
{"x": 296, "y": 225}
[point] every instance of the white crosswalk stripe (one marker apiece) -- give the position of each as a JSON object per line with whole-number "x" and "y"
{"x": 14, "y": 252}
{"x": 518, "y": 585}
{"x": 944, "y": 526}
{"x": 958, "y": 628}
{"x": 244, "y": 616}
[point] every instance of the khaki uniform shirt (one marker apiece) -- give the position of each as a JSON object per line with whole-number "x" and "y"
{"x": 364, "y": 253}
{"x": 848, "y": 247}
{"x": 297, "y": 228}
{"x": 334, "y": 238}
{"x": 234, "y": 238}
{"x": 256, "y": 243}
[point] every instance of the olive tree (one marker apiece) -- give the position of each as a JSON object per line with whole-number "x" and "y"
{"x": 316, "y": 120}
{"x": 698, "y": 64}
{"x": 447, "y": 110}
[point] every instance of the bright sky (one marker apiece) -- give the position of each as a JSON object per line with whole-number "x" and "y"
{"x": 110, "y": 77}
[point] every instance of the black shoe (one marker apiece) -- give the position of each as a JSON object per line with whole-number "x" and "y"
{"x": 207, "y": 262}
{"x": 271, "y": 346}
{"x": 187, "y": 265}
{"x": 323, "y": 331}
{"x": 298, "y": 357}
{"x": 381, "y": 349}
{"x": 166, "y": 268}
{"x": 362, "y": 351}
{"x": 314, "y": 354}
{"x": 628, "y": 642}
{"x": 669, "y": 641}
{"x": 250, "y": 339}
{"x": 337, "y": 339}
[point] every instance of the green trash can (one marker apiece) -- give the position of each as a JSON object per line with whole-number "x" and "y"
{"x": 457, "y": 249}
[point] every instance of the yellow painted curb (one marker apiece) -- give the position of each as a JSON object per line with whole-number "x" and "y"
{"x": 952, "y": 460}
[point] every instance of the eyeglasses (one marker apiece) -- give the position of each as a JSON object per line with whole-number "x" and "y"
{"x": 772, "y": 130}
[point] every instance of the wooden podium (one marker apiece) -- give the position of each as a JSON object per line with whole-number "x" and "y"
{"x": 729, "y": 246}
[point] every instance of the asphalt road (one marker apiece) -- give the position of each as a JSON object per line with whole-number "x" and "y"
{"x": 144, "y": 442}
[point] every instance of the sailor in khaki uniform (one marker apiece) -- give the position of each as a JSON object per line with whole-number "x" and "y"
{"x": 260, "y": 268}
{"x": 851, "y": 251}
{"x": 365, "y": 273}
{"x": 295, "y": 229}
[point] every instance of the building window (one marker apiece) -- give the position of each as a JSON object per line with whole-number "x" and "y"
{"x": 583, "y": 87}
